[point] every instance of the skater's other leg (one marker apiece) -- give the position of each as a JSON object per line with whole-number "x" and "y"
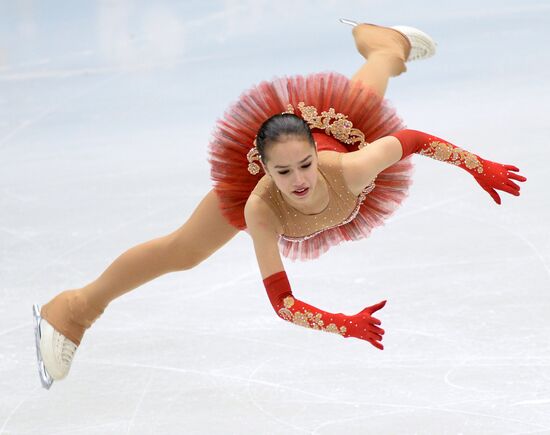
{"x": 376, "y": 73}
{"x": 73, "y": 311}
{"x": 386, "y": 52}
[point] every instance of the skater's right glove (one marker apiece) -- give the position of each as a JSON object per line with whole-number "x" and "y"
{"x": 361, "y": 325}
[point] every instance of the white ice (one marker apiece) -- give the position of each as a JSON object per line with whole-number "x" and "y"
{"x": 106, "y": 109}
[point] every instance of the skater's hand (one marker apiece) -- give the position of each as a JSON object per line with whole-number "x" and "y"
{"x": 362, "y": 325}
{"x": 498, "y": 176}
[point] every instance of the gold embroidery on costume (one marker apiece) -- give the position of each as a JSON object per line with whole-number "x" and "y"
{"x": 307, "y": 319}
{"x": 447, "y": 153}
{"x": 336, "y": 124}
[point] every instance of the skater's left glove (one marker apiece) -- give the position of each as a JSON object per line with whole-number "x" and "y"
{"x": 361, "y": 325}
{"x": 489, "y": 175}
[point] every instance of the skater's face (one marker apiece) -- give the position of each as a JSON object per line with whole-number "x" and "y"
{"x": 292, "y": 164}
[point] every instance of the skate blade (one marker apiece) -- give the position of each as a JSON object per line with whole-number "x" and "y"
{"x": 45, "y": 378}
{"x": 350, "y": 22}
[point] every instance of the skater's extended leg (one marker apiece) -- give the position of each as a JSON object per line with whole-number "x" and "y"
{"x": 206, "y": 230}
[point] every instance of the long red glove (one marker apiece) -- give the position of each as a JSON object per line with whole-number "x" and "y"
{"x": 489, "y": 175}
{"x": 361, "y": 325}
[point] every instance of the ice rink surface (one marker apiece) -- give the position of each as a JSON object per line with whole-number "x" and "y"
{"x": 106, "y": 110}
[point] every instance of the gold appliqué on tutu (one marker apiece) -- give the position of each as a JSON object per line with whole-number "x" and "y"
{"x": 334, "y": 124}
{"x": 447, "y": 153}
{"x": 307, "y": 319}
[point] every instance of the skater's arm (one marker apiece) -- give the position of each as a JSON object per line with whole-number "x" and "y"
{"x": 489, "y": 175}
{"x": 361, "y": 167}
{"x": 265, "y": 237}
{"x": 261, "y": 223}
{"x": 365, "y": 164}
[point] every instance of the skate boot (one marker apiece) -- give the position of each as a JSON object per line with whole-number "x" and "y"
{"x": 54, "y": 352}
{"x": 401, "y": 43}
{"x": 59, "y": 327}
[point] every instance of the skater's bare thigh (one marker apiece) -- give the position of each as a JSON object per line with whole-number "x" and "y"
{"x": 202, "y": 234}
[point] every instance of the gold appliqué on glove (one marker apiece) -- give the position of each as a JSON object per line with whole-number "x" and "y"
{"x": 307, "y": 319}
{"x": 450, "y": 154}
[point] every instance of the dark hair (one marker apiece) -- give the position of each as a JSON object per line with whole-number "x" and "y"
{"x": 280, "y": 127}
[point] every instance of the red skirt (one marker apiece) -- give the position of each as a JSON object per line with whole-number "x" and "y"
{"x": 234, "y": 134}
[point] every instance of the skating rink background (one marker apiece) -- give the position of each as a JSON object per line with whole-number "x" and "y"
{"x": 106, "y": 110}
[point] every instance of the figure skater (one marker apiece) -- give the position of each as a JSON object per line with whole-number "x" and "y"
{"x": 301, "y": 163}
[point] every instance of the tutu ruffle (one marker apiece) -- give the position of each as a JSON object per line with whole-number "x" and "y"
{"x": 234, "y": 134}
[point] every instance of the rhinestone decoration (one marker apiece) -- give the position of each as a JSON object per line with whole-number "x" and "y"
{"x": 307, "y": 319}
{"x": 447, "y": 153}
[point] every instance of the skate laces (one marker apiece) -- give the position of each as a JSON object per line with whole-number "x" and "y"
{"x": 65, "y": 348}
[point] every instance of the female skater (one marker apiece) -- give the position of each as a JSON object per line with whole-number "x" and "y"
{"x": 302, "y": 164}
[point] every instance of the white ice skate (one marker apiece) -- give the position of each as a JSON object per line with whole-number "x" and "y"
{"x": 54, "y": 352}
{"x": 422, "y": 45}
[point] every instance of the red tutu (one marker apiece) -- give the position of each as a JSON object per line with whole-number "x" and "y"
{"x": 234, "y": 135}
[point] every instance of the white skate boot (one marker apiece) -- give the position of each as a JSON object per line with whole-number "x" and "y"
{"x": 422, "y": 45}
{"x": 54, "y": 352}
